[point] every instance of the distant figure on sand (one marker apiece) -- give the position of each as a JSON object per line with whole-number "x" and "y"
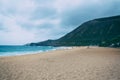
{"x": 88, "y": 47}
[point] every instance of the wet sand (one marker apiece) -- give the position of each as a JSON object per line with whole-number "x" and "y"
{"x": 80, "y": 63}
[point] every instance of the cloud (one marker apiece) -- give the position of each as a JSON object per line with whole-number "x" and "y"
{"x": 19, "y": 7}
{"x": 24, "y": 21}
{"x": 90, "y": 10}
{"x": 46, "y": 12}
{"x": 14, "y": 33}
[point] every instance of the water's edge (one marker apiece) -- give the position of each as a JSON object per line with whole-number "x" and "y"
{"x": 25, "y": 50}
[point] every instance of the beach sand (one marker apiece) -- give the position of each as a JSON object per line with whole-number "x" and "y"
{"x": 80, "y": 63}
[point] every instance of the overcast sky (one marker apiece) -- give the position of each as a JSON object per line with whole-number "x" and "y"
{"x": 25, "y": 21}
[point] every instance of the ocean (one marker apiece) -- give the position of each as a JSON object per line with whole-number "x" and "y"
{"x": 22, "y": 50}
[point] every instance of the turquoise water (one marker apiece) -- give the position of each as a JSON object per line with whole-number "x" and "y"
{"x": 22, "y": 50}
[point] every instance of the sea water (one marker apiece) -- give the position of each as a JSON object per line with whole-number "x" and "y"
{"x": 22, "y": 50}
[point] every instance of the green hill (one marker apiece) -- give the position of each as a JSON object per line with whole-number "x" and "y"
{"x": 102, "y": 32}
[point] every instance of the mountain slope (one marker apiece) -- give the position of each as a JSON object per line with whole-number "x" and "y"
{"x": 94, "y": 32}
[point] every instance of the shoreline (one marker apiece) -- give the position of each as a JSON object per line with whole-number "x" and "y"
{"x": 35, "y": 52}
{"x": 57, "y": 49}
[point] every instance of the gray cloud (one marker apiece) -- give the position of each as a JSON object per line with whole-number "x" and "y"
{"x": 74, "y": 17}
{"x": 44, "y": 12}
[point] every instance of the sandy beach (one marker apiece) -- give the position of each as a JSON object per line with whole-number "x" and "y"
{"x": 79, "y": 63}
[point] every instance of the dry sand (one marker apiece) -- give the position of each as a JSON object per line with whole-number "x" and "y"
{"x": 75, "y": 64}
